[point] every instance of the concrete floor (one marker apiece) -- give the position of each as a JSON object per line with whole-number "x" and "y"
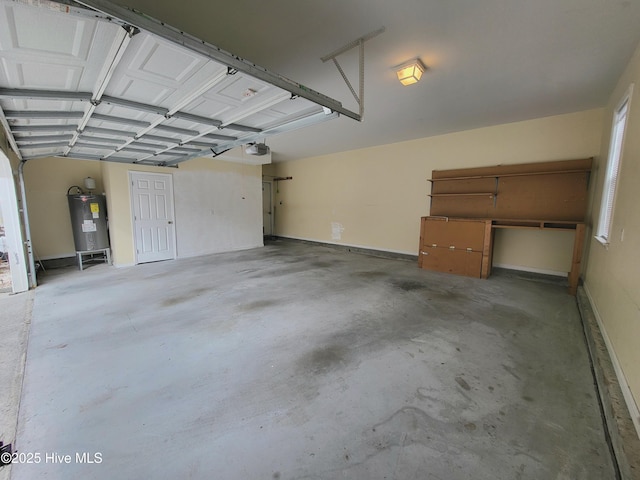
{"x": 15, "y": 319}
{"x": 304, "y": 362}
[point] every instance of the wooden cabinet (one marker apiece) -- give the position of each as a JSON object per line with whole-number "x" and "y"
{"x": 456, "y": 245}
{"x": 468, "y": 204}
{"x": 546, "y": 191}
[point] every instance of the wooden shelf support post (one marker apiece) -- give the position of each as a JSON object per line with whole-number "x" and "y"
{"x": 578, "y": 244}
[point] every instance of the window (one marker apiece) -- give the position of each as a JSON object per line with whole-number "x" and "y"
{"x": 613, "y": 169}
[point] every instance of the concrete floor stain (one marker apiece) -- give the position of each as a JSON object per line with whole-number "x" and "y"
{"x": 463, "y": 383}
{"x": 189, "y": 295}
{"x": 258, "y": 305}
{"x": 408, "y": 285}
{"x": 325, "y": 359}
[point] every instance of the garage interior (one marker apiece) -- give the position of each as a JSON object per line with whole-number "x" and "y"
{"x": 269, "y": 318}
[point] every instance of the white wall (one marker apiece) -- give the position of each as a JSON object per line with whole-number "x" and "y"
{"x": 218, "y": 211}
{"x": 218, "y": 207}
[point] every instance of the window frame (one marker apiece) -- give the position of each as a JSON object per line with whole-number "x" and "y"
{"x": 612, "y": 171}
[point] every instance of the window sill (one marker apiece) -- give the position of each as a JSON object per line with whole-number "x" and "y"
{"x": 603, "y": 241}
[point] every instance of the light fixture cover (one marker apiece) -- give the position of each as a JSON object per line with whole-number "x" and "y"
{"x": 410, "y": 72}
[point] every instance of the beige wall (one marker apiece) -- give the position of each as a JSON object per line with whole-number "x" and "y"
{"x": 612, "y": 277}
{"x": 218, "y": 205}
{"x": 375, "y": 197}
{"x": 6, "y": 148}
{"x": 46, "y": 183}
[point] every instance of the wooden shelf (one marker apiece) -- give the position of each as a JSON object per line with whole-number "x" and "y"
{"x": 475, "y": 194}
{"x": 532, "y": 227}
{"x": 535, "y": 224}
{"x": 538, "y": 224}
{"x": 555, "y": 191}
{"x": 478, "y": 177}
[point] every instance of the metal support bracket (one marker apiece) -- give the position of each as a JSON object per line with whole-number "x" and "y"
{"x": 359, "y": 42}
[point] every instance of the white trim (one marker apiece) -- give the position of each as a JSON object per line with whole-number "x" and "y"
{"x": 123, "y": 265}
{"x": 634, "y": 411}
{"x": 13, "y": 233}
{"x": 365, "y": 247}
{"x": 272, "y": 200}
{"x": 603, "y": 241}
{"x": 521, "y": 268}
{"x": 611, "y": 178}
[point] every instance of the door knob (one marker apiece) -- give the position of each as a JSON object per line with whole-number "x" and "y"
{"x": 170, "y": 222}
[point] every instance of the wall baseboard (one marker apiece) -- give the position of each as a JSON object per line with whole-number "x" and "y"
{"x": 541, "y": 271}
{"x": 619, "y": 408}
{"x": 56, "y": 257}
{"x": 58, "y": 262}
{"x": 352, "y": 248}
{"x": 124, "y": 265}
{"x": 238, "y": 248}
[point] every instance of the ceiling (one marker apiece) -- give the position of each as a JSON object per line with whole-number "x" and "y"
{"x": 489, "y": 62}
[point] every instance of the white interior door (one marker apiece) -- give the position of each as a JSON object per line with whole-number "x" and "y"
{"x": 267, "y": 217}
{"x": 153, "y": 216}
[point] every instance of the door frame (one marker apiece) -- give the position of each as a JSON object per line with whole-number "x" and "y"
{"x": 11, "y": 217}
{"x": 131, "y": 173}
{"x": 272, "y": 216}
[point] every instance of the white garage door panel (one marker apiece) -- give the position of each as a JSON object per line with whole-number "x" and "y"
{"x": 206, "y": 105}
{"x": 51, "y": 51}
{"x": 139, "y": 89}
{"x": 121, "y": 112}
{"x": 156, "y": 57}
{"x": 234, "y": 89}
{"x": 64, "y": 34}
{"x": 49, "y": 76}
{"x": 128, "y": 73}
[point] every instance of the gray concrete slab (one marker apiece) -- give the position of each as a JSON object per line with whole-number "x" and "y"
{"x": 15, "y": 319}
{"x": 302, "y": 362}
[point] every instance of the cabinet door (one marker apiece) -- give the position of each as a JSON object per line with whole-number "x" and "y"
{"x": 457, "y": 233}
{"x": 448, "y": 260}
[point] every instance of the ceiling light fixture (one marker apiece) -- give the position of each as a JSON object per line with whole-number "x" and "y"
{"x": 410, "y": 72}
